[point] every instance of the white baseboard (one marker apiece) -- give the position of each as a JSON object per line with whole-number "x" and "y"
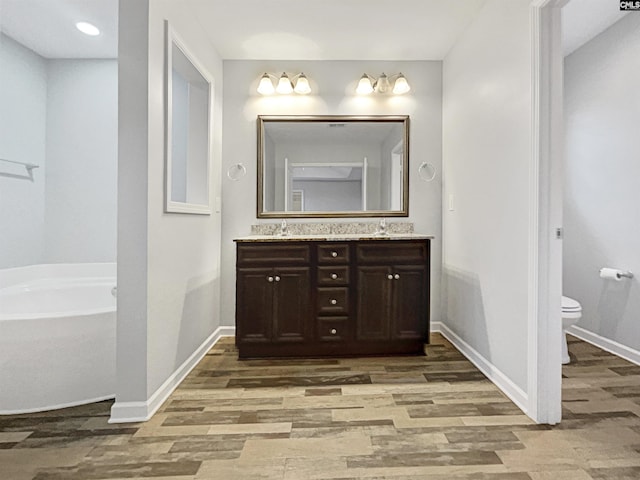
{"x": 606, "y": 344}
{"x": 125, "y": 412}
{"x": 510, "y": 389}
{"x": 57, "y": 407}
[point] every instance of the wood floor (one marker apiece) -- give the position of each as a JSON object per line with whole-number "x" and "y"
{"x": 401, "y": 418}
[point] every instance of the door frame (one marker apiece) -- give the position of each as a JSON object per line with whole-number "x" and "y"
{"x": 545, "y": 213}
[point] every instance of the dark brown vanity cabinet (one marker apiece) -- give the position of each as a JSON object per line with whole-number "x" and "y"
{"x": 305, "y": 298}
{"x": 272, "y": 294}
{"x": 393, "y": 291}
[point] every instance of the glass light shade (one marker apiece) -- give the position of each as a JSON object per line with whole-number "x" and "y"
{"x": 266, "y": 85}
{"x": 364, "y": 85}
{"x": 382, "y": 85}
{"x": 284, "y": 84}
{"x": 302, "y": 85}
{"x": 401, "y": 85}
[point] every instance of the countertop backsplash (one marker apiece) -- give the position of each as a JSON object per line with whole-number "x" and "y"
{"x": 331, "y": 228}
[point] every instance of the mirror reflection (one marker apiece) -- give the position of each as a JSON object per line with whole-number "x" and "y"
{"x": 332, "y": 166}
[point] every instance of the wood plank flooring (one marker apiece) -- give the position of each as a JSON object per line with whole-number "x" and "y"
{"x": 398, "y": 418}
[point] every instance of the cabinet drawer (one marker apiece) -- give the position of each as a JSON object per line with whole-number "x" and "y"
{"x": 393, "y": 251}
{"x": 333, "y": 329}
{"x": 333, "y": 253}
{"x": 338, "y": 275}
{"x": 332, "y": 301}
{"x": 270, "y": 254}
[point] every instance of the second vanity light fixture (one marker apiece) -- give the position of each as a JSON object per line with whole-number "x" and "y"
{"x": 284, "y": 85}
{"x": 382, "y": 84}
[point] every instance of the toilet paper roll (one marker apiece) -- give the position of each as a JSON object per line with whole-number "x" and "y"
{"x": 611, "y": 274}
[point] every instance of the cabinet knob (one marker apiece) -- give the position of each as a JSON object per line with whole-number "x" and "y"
{"x": 277, "y": 278}
{"x": 334, "y": 276}
{"x": 333, "y": 331}
{"x": 390, "y": 277}
{"x": 269, "y": 279}
{"x": 334, "y": 254}
{"x": 334, "y": 301}
{"x": 396, "y": 276}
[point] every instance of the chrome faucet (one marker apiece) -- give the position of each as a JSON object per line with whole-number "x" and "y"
{"x": 382, "y": 227}
{"x": 284, "y": 229}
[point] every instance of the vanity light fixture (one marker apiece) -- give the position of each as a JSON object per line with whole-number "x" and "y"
{"x": 285, "y": 84}
{"x": 382, "y": 84}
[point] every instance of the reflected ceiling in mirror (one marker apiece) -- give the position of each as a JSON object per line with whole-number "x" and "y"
{"x": 333, "y": 166}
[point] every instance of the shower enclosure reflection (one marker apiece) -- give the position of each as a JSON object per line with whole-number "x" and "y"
{"x": 332, "y": 166}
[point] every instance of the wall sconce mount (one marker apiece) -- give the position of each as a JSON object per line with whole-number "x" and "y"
{"x": 284, "y": 84}
{"x": 368, "y": 84}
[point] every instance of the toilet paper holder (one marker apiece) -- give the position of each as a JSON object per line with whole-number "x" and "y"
{"x": 615, "y": 273}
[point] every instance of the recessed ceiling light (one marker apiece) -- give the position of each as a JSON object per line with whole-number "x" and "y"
{"x": 88, "y": 28}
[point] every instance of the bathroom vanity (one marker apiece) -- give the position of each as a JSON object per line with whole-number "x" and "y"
{"x": 332, "y": 296}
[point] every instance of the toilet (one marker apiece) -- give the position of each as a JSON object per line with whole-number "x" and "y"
{"x": 571, "y": 313}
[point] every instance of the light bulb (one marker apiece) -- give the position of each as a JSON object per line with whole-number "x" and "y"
{"x": 88, "y": 29}
{"x": 401, "y": 85}
{"x": 302, "y": 85}
{"x": 382, "y": 85}
{"x": 266, "y": 85}
{"x": 284, "y": 84}
{"x": 364, "y": 85}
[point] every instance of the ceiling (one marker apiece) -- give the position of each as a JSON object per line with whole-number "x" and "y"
{"x": 286, "y": 29}
{"x": 584, "y": 19}
{"x": 48, "y": 26}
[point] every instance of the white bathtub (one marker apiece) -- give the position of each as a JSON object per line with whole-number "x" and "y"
{"x": 57, "y": 336}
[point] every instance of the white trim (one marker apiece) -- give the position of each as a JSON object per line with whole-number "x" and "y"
{"x": 606, "y": 344}
{"x": 171, "y": 206}
{"x": 124, "y": 412}
{"x": 544, "y": 383}
{"x": 287, "y": 187}
{"x": 499, "y": 379}
{"x": 57, "y": 407}
{"x": 533, "y": 353}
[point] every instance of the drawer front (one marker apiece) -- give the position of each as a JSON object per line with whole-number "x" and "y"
{"x": 333, "y": 301}
{"x": 392, "y": 251}
{"x": 333, "y": 253}
{"x": 273, "y": 254}
{"x": 333, "y": 329}
{"x": 338, "y": 275}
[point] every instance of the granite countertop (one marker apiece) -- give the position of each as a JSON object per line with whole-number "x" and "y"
{"x": 331, "y": 237}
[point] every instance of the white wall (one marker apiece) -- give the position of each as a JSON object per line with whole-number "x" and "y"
{"x": 486, "y": 151}
{"x": 82, "y": 143}
{"x": 602, "y": 199}
{"x": 168, "y": 264}
{"x": 333, "y": 92}
{"x": 23, "y": 100}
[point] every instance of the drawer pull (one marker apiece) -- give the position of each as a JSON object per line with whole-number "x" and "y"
{"x": 269, "y": 279}
{"x": 390, "y": 277}
{"x": 334, "y": 301}
{"x": 333, "y": 331}
{"x": 277, "y": 278}
{"x": 334, "y": 276}
{"x": 396, "y": 276}
{"x": 334, "y": 254}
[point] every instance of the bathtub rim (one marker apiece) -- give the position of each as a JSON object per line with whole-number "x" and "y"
{"x": 57, "y": 275}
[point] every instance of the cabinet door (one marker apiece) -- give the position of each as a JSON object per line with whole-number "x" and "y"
{"x": 374, "y": 302}
{"x": 254, "y": 304}
{"x": 292, "y": 304}
{"x": 410, "y": 315}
